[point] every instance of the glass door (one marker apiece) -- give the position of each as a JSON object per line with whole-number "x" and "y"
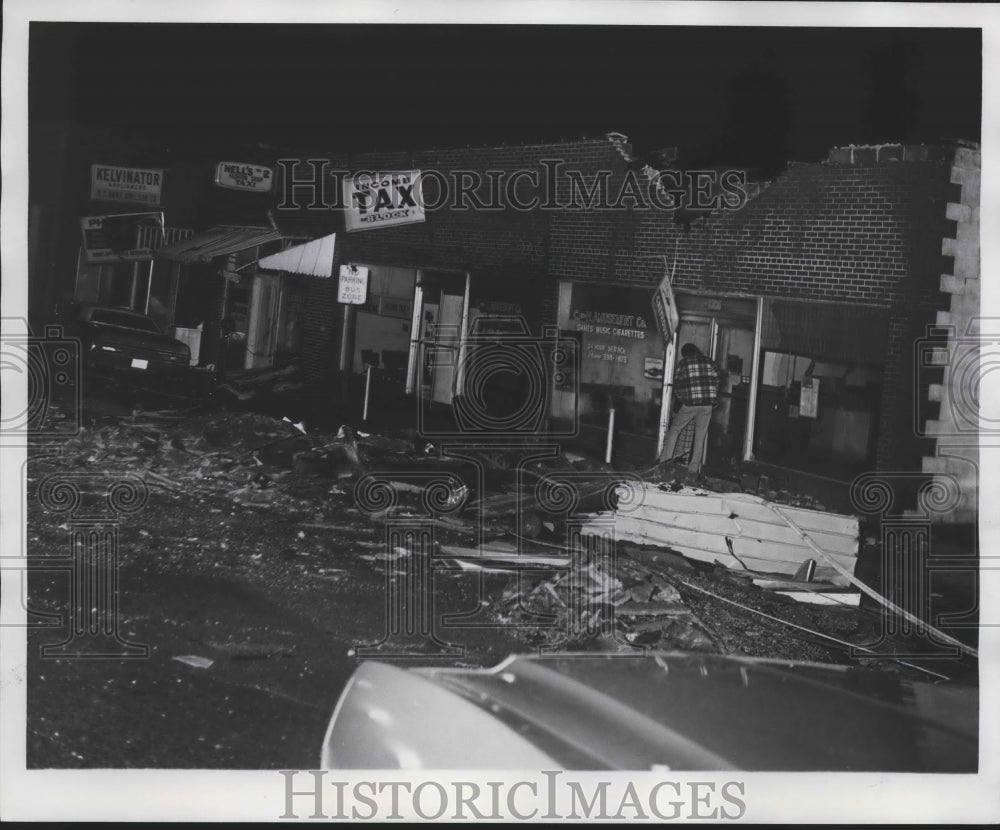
{"x": 733, "y": 354}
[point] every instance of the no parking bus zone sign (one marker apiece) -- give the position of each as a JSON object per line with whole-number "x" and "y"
{"x": 352, "y": 286}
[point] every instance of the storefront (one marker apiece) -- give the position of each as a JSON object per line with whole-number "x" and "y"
{"x": 801, "y": 381}
{"x": 820, "y": 386}
{"x": 726, "y": 330}
{"x": 115, "y": 264}
{"x": 621, "y": 366}
{"x": 406, "y": 339}
{"x": 419, "y": 335}
{"x": 233, "y": 313}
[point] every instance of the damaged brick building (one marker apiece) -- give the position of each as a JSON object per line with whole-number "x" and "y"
{"x": 813, "y": 291}
{"x": 825, "y": 278}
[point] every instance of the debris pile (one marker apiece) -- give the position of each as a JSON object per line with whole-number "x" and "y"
{"x": 249, "y": 458}
{"x": 257, "y": 384}
{"x": 579, "y": 599}
{"x": 684, "y": 568}
{"x": 789, "y": 546}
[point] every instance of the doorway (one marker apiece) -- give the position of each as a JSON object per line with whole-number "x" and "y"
{"x": 262, "y": 325}
{"x": 440, "y": 313}
{"x": 724, "y": 329}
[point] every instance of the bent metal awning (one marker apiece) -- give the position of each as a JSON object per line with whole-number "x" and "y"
{"x": 313, "y": 258}
{"x": 220, "y": 241}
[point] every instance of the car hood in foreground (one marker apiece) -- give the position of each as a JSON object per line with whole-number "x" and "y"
{"x": 663, "y": 710}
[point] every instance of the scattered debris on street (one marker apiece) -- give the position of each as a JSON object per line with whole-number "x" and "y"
{"x": 685, "y": 567}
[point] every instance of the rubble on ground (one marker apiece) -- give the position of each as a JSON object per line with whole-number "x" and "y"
{"x": 558, "y": 592}
{"x": 254, "y": 384}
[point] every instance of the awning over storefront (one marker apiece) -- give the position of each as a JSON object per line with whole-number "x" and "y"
{"x": 313, "y": 258}
{"x": 220, "y": 241}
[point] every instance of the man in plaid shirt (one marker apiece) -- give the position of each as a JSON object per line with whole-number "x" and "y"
{"x": 696, "y": 385}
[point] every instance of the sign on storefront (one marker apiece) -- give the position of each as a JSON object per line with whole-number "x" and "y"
{"x": 132, "y": 185}
{"x": 120, "y": 238}
{"x": 616, "y": 334}
{"x": 352, "y": 286}
{"x": 236, "y": 175}
{"x": 380, "y": 200}
{"x": 665, "y": 309}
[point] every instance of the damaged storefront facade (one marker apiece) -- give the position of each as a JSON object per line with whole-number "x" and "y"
{"x": 229, "y": 309}
{"x": 809, "y": 292}
{"x": 177, "y": 239}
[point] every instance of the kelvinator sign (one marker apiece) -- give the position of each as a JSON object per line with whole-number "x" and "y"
{"x": 235, "y": 175}
{"x": 133, "y": 185}
{"x": 378, "y": 200}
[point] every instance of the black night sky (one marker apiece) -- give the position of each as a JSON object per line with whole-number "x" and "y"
{"x": 756, "y": 96}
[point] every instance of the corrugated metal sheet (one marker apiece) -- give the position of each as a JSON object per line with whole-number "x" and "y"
{"x": 314, "y": 258}
{"x": 219, "y": 241}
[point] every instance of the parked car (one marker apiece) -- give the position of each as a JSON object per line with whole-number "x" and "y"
{"x": 118, "y": 339}
{"x": 659, "y": 710}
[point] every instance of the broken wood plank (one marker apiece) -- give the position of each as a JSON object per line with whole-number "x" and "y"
{"x": 797, "y": 585}
{"x": 650, "y": 609}
{"x": 850, "y": 599}
{"x": 502, "y": 553}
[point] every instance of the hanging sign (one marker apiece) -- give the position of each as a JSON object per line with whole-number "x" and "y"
{"x": 123, "y": 237}
{"x": 235, "y": 175}
{"x": 352, "y": 287}
{"x": 665, "y": 309}
{"x": 379, "y": 200}
{"x": 809, "y": 398}
{"x": 133, "y": 185}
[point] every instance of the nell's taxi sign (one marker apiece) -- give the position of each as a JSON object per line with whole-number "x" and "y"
{"x": 235, "y": 175}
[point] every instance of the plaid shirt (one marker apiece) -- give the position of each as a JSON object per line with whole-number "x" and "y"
{"x": 696, "y": 381}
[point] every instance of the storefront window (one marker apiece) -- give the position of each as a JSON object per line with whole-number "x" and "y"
{"x": 620, "y": 361}
{"x": 197, "y": 296}
{"x": 816, "y": 415}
